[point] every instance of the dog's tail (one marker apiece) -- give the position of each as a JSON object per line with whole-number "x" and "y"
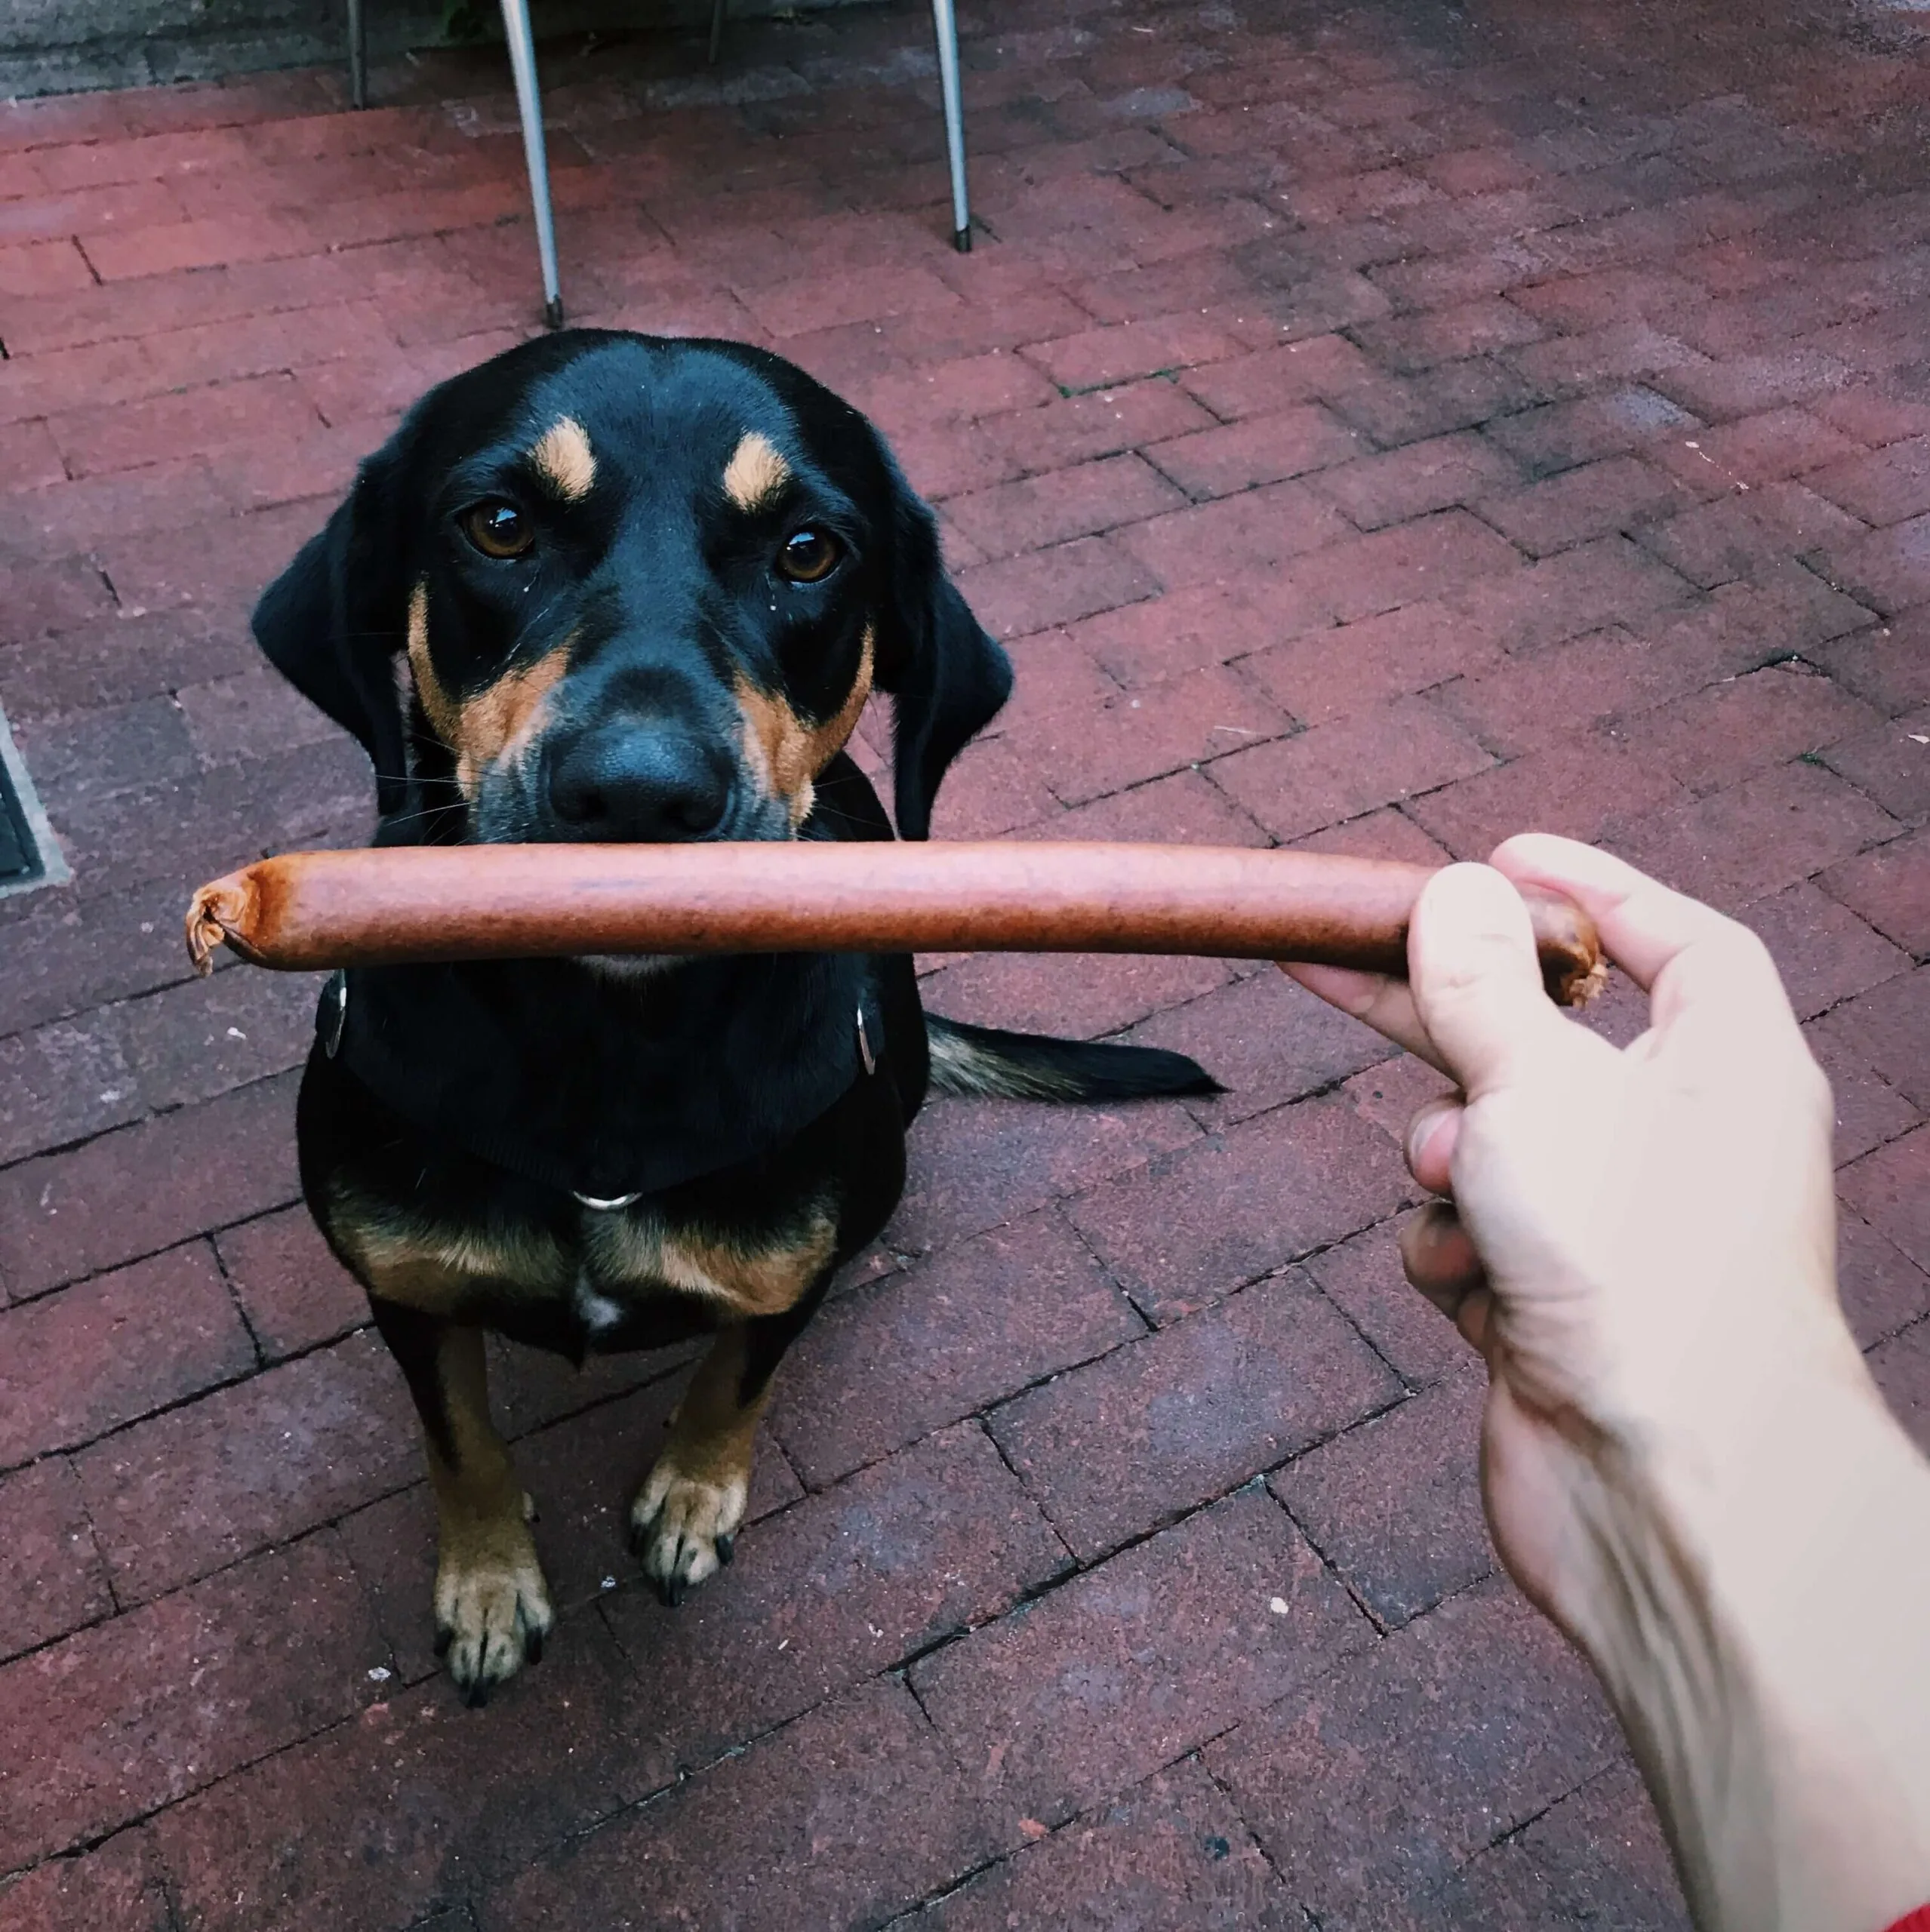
{"x": 985, "y": 1063}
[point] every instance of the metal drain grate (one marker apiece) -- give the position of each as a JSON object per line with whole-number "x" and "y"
{"x": 28, "y": 854}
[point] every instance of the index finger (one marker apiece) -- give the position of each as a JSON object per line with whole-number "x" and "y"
{"x": 1675, "y": 949}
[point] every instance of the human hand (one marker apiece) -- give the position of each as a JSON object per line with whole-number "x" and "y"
{"x": 1640, "y": 1241}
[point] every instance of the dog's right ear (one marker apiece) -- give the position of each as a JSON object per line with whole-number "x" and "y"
{"x": 332, "y": 622}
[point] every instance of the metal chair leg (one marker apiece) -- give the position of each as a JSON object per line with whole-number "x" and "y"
{"x": 357, "y": 55}
{"x": 716, "y": 28}
{"x": 945, "y": 22}
{"x": 529, "y": 106}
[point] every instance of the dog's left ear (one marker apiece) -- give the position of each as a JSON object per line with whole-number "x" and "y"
{"x": 947, "y": 678}
{"x": 332, "y": 622}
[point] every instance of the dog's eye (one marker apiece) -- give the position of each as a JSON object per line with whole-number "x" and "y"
{"x": 809, "y": 557}
{"x": 498, "y": 529}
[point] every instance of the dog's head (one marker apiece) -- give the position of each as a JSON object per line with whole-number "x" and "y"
{"x": 609, "y": 586}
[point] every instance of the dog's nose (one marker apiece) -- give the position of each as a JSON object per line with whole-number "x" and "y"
{"x": 645, "y": 787}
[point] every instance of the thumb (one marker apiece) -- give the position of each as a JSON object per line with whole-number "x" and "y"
{"x": 1477, "y": 983}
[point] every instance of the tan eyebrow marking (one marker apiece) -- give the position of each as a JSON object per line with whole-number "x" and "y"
{"x": 755, "y": 473}
{"x": 562, "y": 456}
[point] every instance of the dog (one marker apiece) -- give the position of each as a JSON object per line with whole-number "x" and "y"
{"x": 612, "y": 586}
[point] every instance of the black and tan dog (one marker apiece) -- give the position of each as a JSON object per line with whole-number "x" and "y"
{"x": 610, "y": 587}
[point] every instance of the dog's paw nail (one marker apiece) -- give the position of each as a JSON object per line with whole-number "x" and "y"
{"x": 727, "y": 1549}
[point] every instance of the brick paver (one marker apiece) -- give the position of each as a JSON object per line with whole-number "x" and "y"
{"x": 1379, "y": 431}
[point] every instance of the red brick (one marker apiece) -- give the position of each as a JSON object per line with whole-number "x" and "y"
{"x": 1435, "y": 557}
{"x": 50, "y": 1571}
{"x": 144, "y": 1188}
{"x": 134, "y": 1363}
{"x": 1376, "y": 491}
{"x": 1079, "y": 428}
{"x": 1260, "y": 384}
{"x": 1559, "y": 436}
{"x": 1172, "y": 1845}
{"x": 1183, "y": 809}
{"x": 128, "y": 435}
{"x": 1585, "y": 787}
{"x": 1871, "y": 415}
{"x": 1384, "y": 834}
{"x": 1132, "y": 1664}
{"x": 1456, "y": 396}
{"x": 1901, "y": 1367}
{"x": 294, "y": 1293}
{"x": 1883, "y": 1291}
{"x": 1404, "y": 1761}
{"x": 63, "y": 1082}
{"x": 1890, "y": 1187}
{"x": 1155, "y": 1428}
{"x": 994, "y": 788}
{"x": 1868, "y": 1110}
{"x": 1755, "y": 450}
{"x": 977, "y": 1164}
{"x": 1395, "y": 1504}
{"x": 936, "y": 1538}
{"x": 416, "y": 1803}
{"x": 1756, "y": 837}
{"x": 1187, "y": 630}
{"x": 77, "y": 516}
{"x": 29, "y": 457}
{"x": 1082, "y": 995}
{"x": 1056, "y": 587}
{"x": 1362, "y": 1277}
{"x": 118, "y": 1720}
{"x": 1443, "y": 281}
{"x": 1122, "y": 351}
{"x": 1266, "y": 1040}
{"x": 1258, "y": 449}
{"x": 790, "y": 308}
{"x": 1891, "y": 762}
{"x": 32, "y": 268}
{"x": 969, "y": 386}
{"x": 1715, "y": 738}
{"x": 1610, "y": 581}
{"x": 1736, "y": 384}
{"x": 130, "y": 253}
{"x": 1078, "y": 502}
{"x": 1824, "y": 953}
{"x": 1339, "y": 770}
{"x": 1598, "y": 1855}
{"x": 116, "y": 1884}
{"x": 1087, "y": 750}
{"x": 1888, "y": 664}
{"x": 153, "y": 571}
{"x": 183, "y": 1492}
{"x": 1889, "y": 570}
{"x": 1257, "y": 531}
{"x": 1891, "y": 888}
{"x": 886, "y": 1363}
{"x": 95, "y": 214}
{"x": 1194, "y": 1224}
{"x": 1618, "y": 493}
{"x": 845, "y": 1819}
{"x": 1886, "y": 1027}
{"x": 1340, "y": 672}
{"x": 57, "y": 596}
{"x": 1407, "y": 344}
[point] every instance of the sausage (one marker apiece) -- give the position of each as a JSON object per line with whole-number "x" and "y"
{"x": 309, "y": 910}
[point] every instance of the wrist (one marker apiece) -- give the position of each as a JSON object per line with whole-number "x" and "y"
{"x": 1756, "y": 1580}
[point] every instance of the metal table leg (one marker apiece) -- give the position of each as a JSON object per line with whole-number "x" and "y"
{"x": 529, "y": 106}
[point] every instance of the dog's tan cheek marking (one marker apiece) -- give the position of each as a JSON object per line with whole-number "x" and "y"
{"x": 755, "y": 473}
{"x": 563, "y": 456}
{"x": 437, "y": 705}
{"x": 783, "y": 752}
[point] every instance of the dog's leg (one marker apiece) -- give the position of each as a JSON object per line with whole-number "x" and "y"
{"x": 684, "y": 1521}
{"x": 492, "y": 1607}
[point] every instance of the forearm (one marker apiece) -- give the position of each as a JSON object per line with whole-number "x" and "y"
{"x": 1761, "y": 1618}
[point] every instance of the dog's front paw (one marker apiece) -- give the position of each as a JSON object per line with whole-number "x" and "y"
{"x": 683, "y": 1528}
{"x": 492, "y": 1607}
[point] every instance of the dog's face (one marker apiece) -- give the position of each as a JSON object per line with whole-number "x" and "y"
{"x": 607, "y": 586}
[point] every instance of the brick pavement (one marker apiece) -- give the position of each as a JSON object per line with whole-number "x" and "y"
{"x": 1378, "y": 428}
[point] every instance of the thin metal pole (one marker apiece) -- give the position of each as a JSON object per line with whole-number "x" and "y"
{"x": 716, "y": 28}
{"x": 945, "y": 22}
{"x": 358, "y": 56}
{"x": 529, "y": 105}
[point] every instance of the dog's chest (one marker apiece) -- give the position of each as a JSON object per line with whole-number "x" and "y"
{"x": 628, "y": 1258}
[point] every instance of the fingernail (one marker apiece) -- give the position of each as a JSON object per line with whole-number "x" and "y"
{"x": 1421, "y": 1129}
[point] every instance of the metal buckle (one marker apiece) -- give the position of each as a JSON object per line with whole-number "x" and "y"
{"x": 864, "y": 1045}
{"x": 335, "y": 1011}
{"x": 609, "y": 1206}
